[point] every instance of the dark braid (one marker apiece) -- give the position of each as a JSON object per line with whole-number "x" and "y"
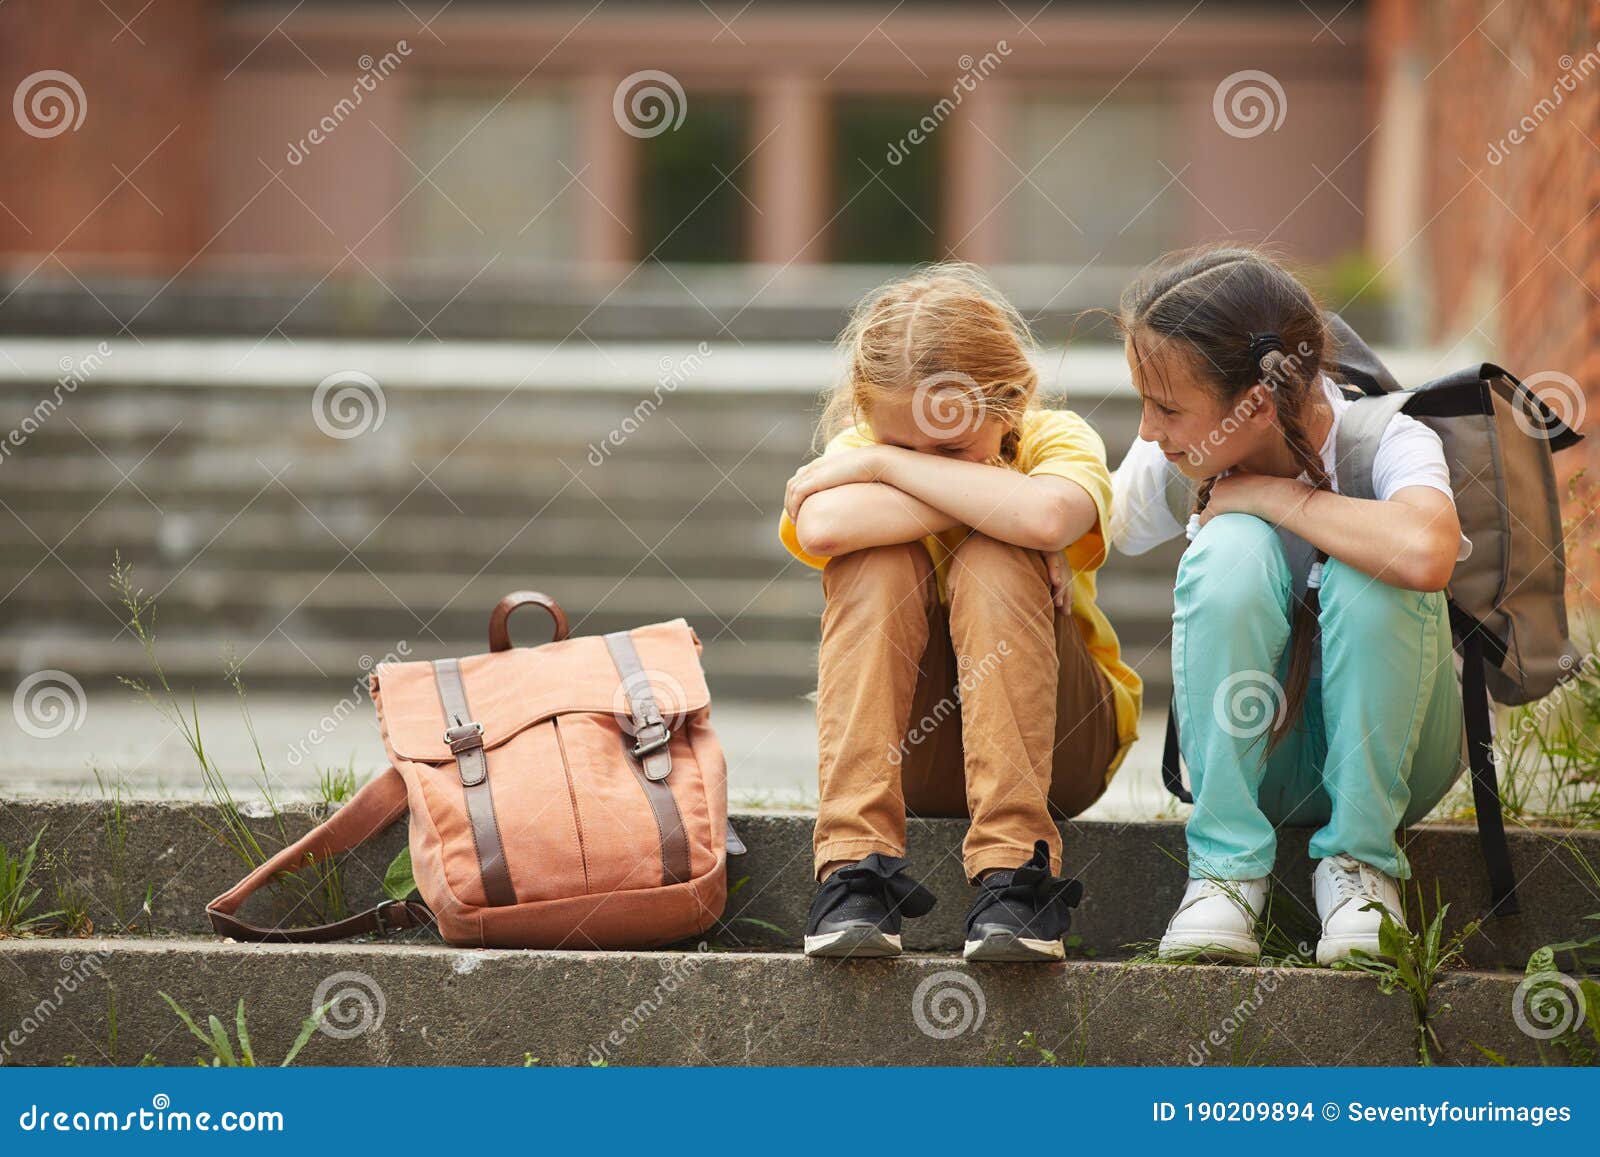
{"x": 1244, "y": 321}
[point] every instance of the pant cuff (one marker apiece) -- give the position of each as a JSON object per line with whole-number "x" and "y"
{"x": 855, "y": 849}
{"x": 1004, "y": 857}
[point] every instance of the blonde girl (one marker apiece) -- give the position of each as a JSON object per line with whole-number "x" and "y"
{"x": 964, "y": 669}
{"x": 1358, "y": 730}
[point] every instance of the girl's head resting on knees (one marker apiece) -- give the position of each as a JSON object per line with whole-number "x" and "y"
{"x": 1225, "y": 346}
{"x": 937, "y": 363}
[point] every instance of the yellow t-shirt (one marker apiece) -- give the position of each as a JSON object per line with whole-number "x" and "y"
{"x": 1061, "y": 443}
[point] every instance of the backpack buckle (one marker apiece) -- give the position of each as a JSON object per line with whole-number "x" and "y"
{"x": 464, "y": 737}
{"x": 650, "y": 746}
{"x": 384, "y": 928}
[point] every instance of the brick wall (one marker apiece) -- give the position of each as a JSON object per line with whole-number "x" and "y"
{"x": 1512, "y": 229}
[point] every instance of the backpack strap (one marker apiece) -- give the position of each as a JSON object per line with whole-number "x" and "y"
{"x": 1179, "y": 490}
{"x": 379, "y": 803}
{"x": 1361, "y": 430}
{"x": 1485, "y": 787}
{"x": 1171, "y": 757}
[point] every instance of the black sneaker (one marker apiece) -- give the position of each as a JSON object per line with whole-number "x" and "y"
{"x": 1022, "y": 913}
{"x": 857, "y": 910}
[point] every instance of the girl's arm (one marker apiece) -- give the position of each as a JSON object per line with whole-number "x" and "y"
{"x": 886, "y": 494}
{"x": 857, "y": 515}
{"x": 1409, "y": 540}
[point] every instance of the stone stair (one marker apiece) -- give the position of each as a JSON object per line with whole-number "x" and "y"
{"x": 303, "y": 552}
{"x": 745, "y": 995}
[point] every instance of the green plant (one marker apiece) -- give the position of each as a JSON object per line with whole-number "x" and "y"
{"x": 399, "y": 882}
{"x": 72, "y": 901}
{"x": 323, "y": 893}
{"x": 17, "y": 896}
{"x": 335, "y": 785}
{"x": 223, "y": 1051}
{"x": 116, "y": 828}
{"x": 1411, "y": 963}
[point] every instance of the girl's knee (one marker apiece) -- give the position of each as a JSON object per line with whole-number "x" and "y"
{"x": 994, "y": 563}
{"x": 1235, "y": 562}
{"x": 878, "y": 572}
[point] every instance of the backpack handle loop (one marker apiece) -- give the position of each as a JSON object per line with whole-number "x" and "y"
{"x": 499, "y": 629}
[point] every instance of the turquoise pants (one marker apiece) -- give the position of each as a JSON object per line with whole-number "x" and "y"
{"x": 1378, "y": 741}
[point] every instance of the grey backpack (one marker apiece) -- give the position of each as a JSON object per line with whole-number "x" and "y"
{"x": 1507, "y": 598}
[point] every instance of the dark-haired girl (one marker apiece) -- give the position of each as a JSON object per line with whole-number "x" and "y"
{"x": 1325, "y": 698}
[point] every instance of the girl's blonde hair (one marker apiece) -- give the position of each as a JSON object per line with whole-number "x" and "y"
{"x": 947, "y": 332}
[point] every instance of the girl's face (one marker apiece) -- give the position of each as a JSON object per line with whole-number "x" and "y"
{"x": 943, "y": 422}
{"x": 1200, "y": 432}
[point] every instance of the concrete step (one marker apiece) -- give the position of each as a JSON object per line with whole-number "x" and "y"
{"x": 1132, "y": 873}
{"x": 402, "y": 1004}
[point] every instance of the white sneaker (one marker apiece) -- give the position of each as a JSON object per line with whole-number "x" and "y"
{"x": 1216, "y": 921}
{"x": 1343, "y": 887}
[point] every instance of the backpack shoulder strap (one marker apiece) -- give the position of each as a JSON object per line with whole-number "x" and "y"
{"x": 1360, "y": 434}
{"x": 379, "y": 803}
{"x": 1179, "y": 492}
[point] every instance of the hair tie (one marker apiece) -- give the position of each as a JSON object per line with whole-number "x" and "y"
{"x": 1261, "y": 344}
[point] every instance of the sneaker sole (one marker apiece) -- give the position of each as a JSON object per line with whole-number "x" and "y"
{"x": 1210, "y": 948}
{"x": 1333, "y": 949}
{"x": 1003, "y": 944}
{"x": 861, "y": 941}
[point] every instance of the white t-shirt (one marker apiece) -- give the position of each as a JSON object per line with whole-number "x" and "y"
{"x": 1409, "y": 454}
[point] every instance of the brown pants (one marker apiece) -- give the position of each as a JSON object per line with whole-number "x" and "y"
{"x": 1028, "y": 740}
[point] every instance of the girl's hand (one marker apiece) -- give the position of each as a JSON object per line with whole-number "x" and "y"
{"x": 839, "y": 469}
{"x": 1267, "y": 496}
{"x": 1060, "y": 579}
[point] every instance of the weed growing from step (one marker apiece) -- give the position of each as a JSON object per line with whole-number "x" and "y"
{"x": 323, "y": 895}
{"x": 1412, "y": 962}
{"x": 72, "y": 901}
{"x": 18, "y": 895}
{"x": 224, "y": 1054}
